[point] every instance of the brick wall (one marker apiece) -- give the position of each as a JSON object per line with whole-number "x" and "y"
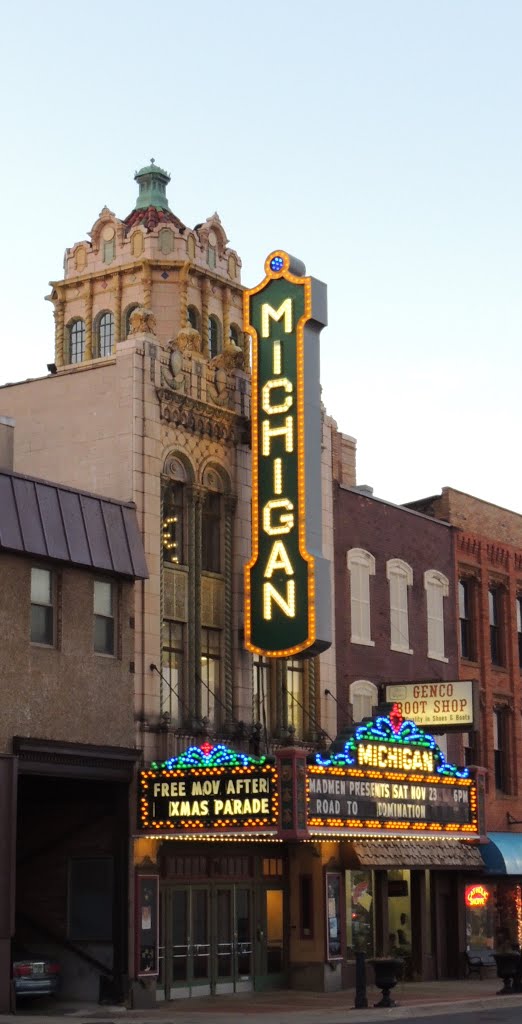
{"x": 389, "y": 531}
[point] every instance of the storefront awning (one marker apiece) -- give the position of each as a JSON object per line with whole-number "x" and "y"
{"x": 411, "y": 853}
{"x": 503, "y": 854}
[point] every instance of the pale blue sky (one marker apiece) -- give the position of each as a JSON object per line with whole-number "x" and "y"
{"x": 379, "y": 141}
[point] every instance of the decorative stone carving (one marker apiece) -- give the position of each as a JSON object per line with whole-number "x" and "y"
{"x": 231, "y": 358}
{"x": 142, "y": 321}
{"x": 218, "y": 391}
{"x": 187, "y": 340}
{"x": 198, "y": 418}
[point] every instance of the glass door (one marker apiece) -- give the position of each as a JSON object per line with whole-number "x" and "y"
{"x": 234, "y": 942}
{"x": 270, "y": 940}
{"x": 206, "y": 941}
{"x": 185, "y": 951}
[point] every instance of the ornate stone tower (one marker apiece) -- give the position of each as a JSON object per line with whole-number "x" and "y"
{"x": 149, "y": 289}
{"x": 187, "y": 278}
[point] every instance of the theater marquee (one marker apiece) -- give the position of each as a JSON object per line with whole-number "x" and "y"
{"x": 391, "y": 778}
{"x": 287, "y": 580}
{"x": 207, "y": 789}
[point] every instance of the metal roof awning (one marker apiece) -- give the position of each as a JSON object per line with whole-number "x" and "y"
{"x": 48, "y": 520}
{"x": 436, "y": 854}
{"x": 503, "y": 854}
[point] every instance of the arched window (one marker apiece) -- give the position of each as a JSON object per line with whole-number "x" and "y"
{"x": 105, "y": 334}
{"x": 173, "y": 522}
{"x": 363, "y": 698}
{"x": 193, "y": 317}
{"x": 127, "y": 318}
{"x": 436, "y": 586}
{"x": 361, "y": 565}
{"x": 235, "y": 334}
{"x": 76, "y": 341}
{"x": 214, "y": 336}
{"x": 400, "y": 577}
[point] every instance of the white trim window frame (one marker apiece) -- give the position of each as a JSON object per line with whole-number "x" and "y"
{"x": 364, "y": 696}
{"x": 400, "y": 576}
{"x": 361, "y": 565}
{"x": 436, "y": 586}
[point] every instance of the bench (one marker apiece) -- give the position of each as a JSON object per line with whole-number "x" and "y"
{"x": 478, "y": 959}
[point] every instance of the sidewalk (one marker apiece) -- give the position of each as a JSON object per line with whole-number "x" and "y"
{"x": 426, "y": 999}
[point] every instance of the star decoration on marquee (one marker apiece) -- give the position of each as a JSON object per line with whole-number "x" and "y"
{"x": 396, "y": 718}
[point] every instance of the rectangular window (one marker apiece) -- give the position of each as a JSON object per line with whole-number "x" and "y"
{"x": 519, "y": 630}
{"x": 42, "y": 607}
{"x": 500, "y": 748}
{"x": 211, "y": 534}
{"x": 104, "y": 633}
{"x": 361, "y": 565}
{"x": 467, "y": 646}
{"x": 400, "y": 578}
{"x": 261, "y": 692}
{"x": 295, "y": 695}
{"x": 360, "y": 908}
{"x": 172, "y": 669}
{"x": 399, "y": 612}
{"x": 210, "y": 671}
{"x": 495, "y": 639}
{"x": 468, "y": 743}
{"x": 437, "y": 588}
{"x": 172, "y": 526}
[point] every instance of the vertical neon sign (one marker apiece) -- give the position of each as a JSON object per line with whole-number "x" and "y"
{"x": 287, "y": 580}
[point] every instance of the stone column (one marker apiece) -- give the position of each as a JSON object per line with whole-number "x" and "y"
{"x": 117, "y": 309}
{"x": 88, "y": 354}
{"x": 226, "y": 316}
{"x": 230, "y": 506}
{"x": 147, "y": 284}
{"x": 281, "y": 702}
{"x": 205, "y": 289}
{"x": 60, "y": 355}
{"x": 183, "y": 293}
{"x": 309, "y": 698}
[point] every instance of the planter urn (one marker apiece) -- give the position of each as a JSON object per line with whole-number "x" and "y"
{"x": 386, "y": 969}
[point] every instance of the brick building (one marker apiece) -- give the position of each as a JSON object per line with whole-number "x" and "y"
{"x": 488, "y": 610}
{"x": 69, "y": 560}
{"x": 395, "y": 586}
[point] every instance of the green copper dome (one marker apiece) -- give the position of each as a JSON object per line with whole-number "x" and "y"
{"x": 153, "y": 182}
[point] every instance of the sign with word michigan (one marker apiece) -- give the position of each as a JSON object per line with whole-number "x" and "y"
{"x": 391, "y": 778}
{"x": 287, "y": 580}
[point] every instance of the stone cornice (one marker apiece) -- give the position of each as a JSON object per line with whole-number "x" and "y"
{"x": 200, "y": 418}
{"x": 138, "y": 265}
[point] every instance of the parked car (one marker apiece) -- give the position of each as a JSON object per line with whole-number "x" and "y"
{"x": 34, "y": 975}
